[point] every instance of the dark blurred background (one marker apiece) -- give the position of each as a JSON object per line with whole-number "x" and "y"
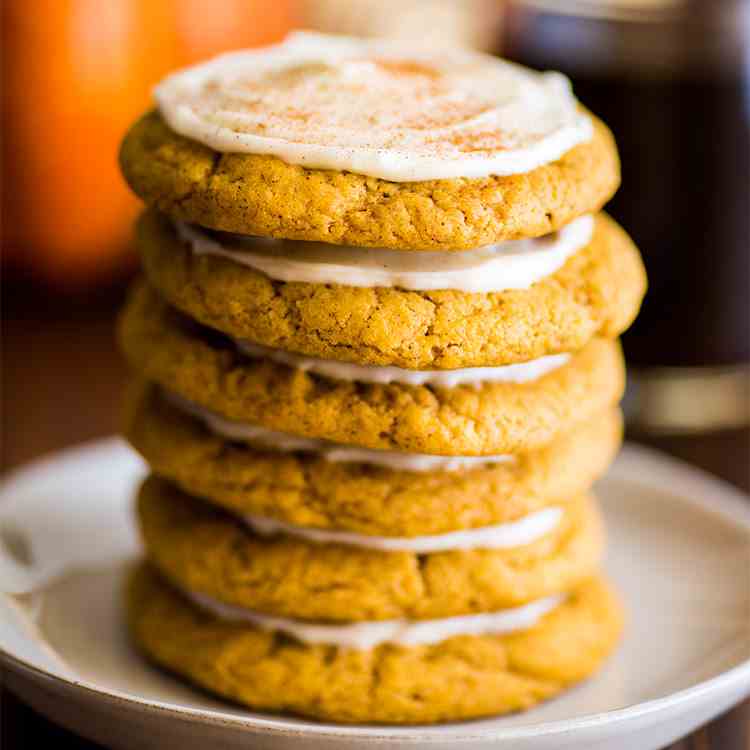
{"x": 671, "y": 77}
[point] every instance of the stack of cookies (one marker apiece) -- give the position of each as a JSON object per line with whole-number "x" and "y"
{"x": 376, "y": 375}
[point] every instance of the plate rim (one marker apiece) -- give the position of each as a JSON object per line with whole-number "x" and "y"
{"x": 695, "y": 486}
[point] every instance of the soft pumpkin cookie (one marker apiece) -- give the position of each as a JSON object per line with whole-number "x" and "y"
{"x": 597, "y": 292}
{"x": 207, "y": 551}
{"x": 308, "y": 490}
{"x": 461, "y": 678}
{"x": 262, "y": 195}
{"x": 497, "y": 418}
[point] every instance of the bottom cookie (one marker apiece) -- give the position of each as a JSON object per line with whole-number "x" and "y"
{"x": 463, "y": 677}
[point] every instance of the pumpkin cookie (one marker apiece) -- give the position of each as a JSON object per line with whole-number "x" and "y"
{"x": 460, "y": 678}
{"x": 308, "y": 490}
{"x": 497, "y": 418}
{"x": 207, "y": 551}
{"x": 262, "y": 195}
{"x": 596, "y": 292}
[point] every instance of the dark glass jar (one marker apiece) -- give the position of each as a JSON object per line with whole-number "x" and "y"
{"x": 672, "y": 80}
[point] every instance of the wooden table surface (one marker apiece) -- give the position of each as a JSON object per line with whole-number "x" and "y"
{"x": 61, "y": 383}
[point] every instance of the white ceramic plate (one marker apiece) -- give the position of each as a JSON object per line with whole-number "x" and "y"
{"x": 679, "y": 552}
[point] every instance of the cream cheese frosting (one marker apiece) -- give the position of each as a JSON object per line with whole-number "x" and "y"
{"x": 500, "y": 536}
{"x": 336, "y": 452}
{"x": 399, "y": 110}
{"x": 367, "y": 635}
{"x": 515, "y": 264}
{"x": 522, "y": 372}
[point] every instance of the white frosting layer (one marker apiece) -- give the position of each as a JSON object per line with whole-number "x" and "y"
{"x": 522, "y": 372}
{"x": 501, "y": 536}
{"x": 516, "y": 264}
{"x": 367, "y": 635}
{"x": 282, "y": 441}
{"x": 398, "y": 110}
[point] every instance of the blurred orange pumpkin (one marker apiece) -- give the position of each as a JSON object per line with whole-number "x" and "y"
{"x": 75, "y": 73}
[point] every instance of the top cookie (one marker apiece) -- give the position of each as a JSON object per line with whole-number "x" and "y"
{"x": 367, "y": 143}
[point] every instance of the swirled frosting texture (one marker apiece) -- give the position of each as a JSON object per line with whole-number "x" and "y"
{"x": 388, "y": 109}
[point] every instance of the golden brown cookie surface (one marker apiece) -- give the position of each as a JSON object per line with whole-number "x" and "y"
{"x": 208, "y": 552}
{"x": 461, "y": 678}
{"x": 597, "y": 292}
{"x": 496, "y": 418}
{"x": 307, "y": 490}
{"x": 262, "y": 195}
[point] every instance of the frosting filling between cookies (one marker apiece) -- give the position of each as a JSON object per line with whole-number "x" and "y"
{"x": 522, "y": 372}
{"x": 393, "y": 109}
{"x": 336, "y": 452}
{"x": 366, "y": 635}
{"x": 515, "y": 264}
{"x": 526, "y": 530}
